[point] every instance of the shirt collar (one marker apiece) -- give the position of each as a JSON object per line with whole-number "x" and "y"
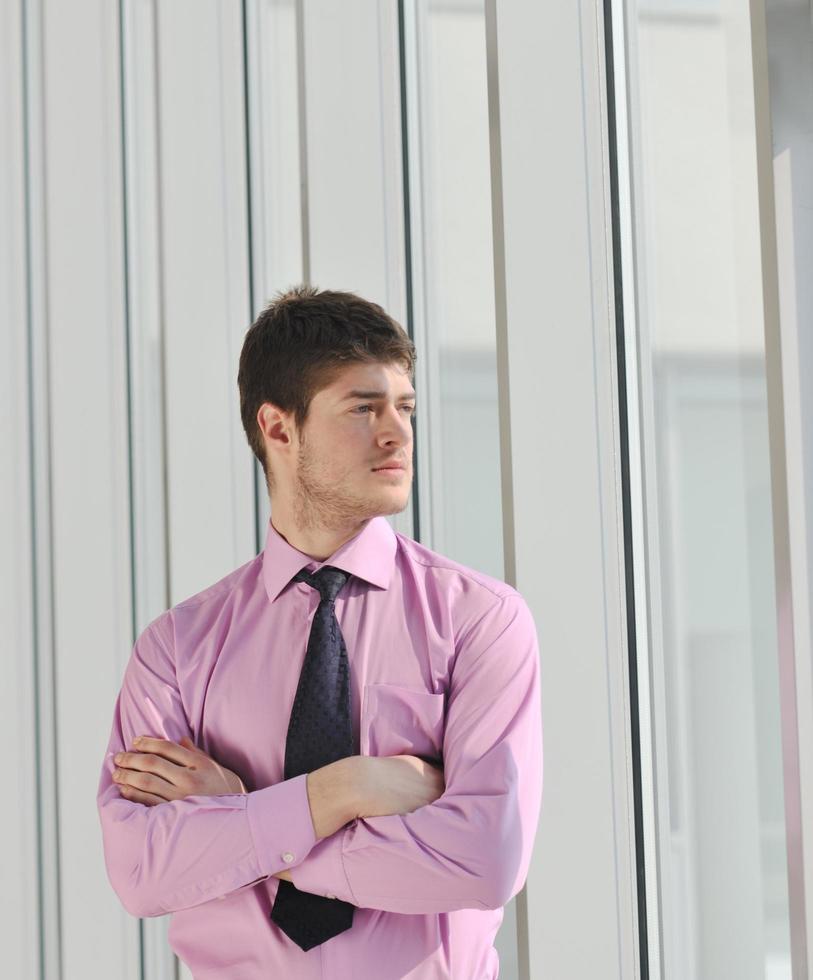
{"x": 370, "y": 555}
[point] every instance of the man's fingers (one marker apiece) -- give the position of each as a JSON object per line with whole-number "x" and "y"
{"x": 162, "y": 767}
{"x": 132, "y": 764}
{"x": 160, "y": 756}
{"x": 149, "y": 778}
{"x": 166, "y": 748}
{"x": 144, "y": 785}
{"x": 139, "y": 796}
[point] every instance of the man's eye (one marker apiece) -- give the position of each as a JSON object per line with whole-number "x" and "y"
{"x": 409, "y": 408}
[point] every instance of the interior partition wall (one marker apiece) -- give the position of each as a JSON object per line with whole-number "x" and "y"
{"x": 563, "y": 479}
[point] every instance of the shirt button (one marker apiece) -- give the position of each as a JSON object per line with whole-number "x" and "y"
{"x": 329, "y": 895}
{"x": 287, "y": 857}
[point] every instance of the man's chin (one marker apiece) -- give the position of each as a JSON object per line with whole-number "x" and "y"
{"x": 388, "y": 504}
{"x": 395, "y": 509}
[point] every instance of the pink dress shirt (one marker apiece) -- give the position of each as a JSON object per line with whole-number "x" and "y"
{"x": 444, "y": 664}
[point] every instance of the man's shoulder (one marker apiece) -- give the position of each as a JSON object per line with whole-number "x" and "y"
{"x": 207, "y": 600}
{"x": 224, "y": 586}
{"x": 446, "y": 573}
{"x": 477, "y": 608}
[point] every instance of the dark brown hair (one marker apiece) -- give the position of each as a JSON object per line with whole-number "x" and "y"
{"x": 301, "y": 342}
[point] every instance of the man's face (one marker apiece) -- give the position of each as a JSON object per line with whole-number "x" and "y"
{"x": 361, "y": 421}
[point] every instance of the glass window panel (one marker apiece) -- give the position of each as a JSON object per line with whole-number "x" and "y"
{"x": 455, "y": 255}
{"x": 453, "y": 289}
{"x": 713, "y": 644}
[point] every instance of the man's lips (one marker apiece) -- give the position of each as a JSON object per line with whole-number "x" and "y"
{"x": 389, "y": 466}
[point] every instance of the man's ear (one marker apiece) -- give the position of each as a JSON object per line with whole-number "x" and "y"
{"x": 274, "y": 424}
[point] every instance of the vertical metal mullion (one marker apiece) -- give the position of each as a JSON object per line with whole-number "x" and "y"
{"x": 407, "y": 199}
{"x": 302, "y": 106}
{"x": 792, "y": 701}
{"x": 256, "y": 183}
{"x": 144, "y": 314}
{"x": 128, "y": 356}
{"x": 635, "y": 558}
{"x": 44, "y": 689}
{"x": 249, "y": 68}
{"x": 409, "y": 41}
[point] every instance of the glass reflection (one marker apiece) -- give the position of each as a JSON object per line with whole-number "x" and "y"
{"x": 698, "y": 282}
{"x": 458, "y": 282}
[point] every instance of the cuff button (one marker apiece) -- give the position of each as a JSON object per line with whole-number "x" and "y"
{"x": 287, "y": 857}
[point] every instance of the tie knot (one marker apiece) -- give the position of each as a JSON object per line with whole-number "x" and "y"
{"x": 328, "y": 580}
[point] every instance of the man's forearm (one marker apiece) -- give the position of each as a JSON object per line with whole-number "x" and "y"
{"x": 333, "y": 793}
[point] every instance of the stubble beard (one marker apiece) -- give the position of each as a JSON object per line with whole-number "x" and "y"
{"x": 320, "y": 503}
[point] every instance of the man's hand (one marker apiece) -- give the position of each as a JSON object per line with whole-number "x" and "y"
{"x": 159, "y": 770}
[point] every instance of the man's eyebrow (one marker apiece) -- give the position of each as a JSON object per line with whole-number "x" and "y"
{"x": 377, "y": 395}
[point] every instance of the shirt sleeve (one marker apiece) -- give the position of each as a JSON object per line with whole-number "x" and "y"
{"x": 181, "y": 853}
{"x": 470, "y": 848}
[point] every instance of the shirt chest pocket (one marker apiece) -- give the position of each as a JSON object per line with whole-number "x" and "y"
{"x": 397, "y": 720}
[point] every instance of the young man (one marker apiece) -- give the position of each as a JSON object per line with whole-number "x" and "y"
{"x": 340, "y": 767}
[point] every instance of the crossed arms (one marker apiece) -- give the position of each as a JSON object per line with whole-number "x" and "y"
{"x": 469, "y": 848}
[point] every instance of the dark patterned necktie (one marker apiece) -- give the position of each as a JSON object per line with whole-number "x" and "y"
{"x": 319, "y": 732}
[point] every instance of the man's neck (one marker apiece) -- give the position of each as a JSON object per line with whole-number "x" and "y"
{"x": 317, "y": 542}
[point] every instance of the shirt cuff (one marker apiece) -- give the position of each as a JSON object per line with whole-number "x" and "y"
{"x": 324, "y": 873}
{"x": 281, "y": 825}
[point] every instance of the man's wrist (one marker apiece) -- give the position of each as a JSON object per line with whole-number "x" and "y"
{"x": 333, "y": 795}
{"x": 352, "y": 775}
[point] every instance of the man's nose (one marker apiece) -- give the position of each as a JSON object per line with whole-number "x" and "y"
{"x": 396, "y": 423}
